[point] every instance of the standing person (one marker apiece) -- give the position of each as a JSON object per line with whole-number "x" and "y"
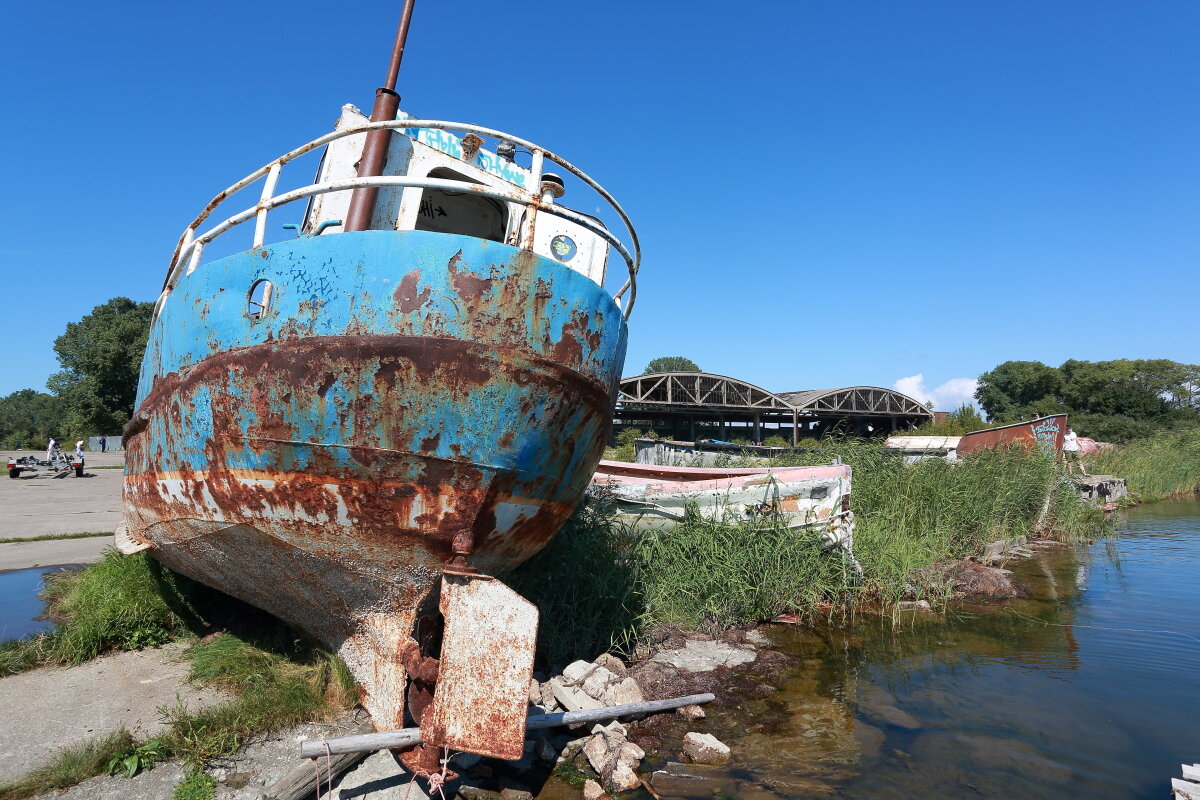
{"x": 79, "y": 449}
{"x": 50, "y": 448}
{"x": 103, "y": 444}
{"x": 1071, "y": 452}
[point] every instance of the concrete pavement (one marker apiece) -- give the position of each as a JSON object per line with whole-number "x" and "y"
{"x": 37, "y": 504}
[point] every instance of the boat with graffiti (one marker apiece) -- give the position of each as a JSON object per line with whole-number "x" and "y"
{"x": 355, "y": 428}
{"x": 1044, "y": 432}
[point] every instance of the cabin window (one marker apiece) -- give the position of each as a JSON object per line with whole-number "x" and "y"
{"x": 259, "y": 302}
{"x": 465, "y": 212}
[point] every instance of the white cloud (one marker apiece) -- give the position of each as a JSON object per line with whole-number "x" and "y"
{"x": 950, "y": 396}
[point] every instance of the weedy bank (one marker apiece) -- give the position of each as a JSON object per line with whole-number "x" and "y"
{"x": 601, "y": 586}
{"x": 272, "y": 679}
{"x": 1161, "y": 466}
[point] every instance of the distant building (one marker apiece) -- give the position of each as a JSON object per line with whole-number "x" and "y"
{"x": 698, "y": 405}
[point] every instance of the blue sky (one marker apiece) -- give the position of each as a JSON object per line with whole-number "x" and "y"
{"x": 827, "y": 194}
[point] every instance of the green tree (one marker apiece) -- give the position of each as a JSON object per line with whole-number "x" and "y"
{"x": 1008, "y": 391}
{"x": 671, "y": 364}
{"x": 28, "y": 419}
{"x": 101, "y": 356}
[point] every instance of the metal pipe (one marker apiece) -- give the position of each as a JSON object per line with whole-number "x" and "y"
{"x": 374, "y": 153}
{"x": 406, "y": 737}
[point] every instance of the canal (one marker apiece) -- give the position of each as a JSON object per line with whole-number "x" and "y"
{"x": 1088, "y": 687}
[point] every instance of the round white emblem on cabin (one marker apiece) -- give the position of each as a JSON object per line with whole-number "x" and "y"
{"x": 563, "y": 248}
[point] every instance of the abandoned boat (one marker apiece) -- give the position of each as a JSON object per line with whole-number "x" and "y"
{"x": 1044, "y": 432}
{"x": 807, "y": 499}
{"x": 354, "y": 428}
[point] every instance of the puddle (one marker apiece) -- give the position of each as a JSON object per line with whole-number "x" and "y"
{"x": 20, "y": 605}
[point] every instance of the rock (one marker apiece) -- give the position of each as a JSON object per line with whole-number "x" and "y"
{"x": 597, "y": 683}
{"x": 623, "y": 691}
{"x": 593, "y": 791}
{"x": 622, "y": 779}
{"x": 576, "y": 671}
{"x": 379, "y": 777}
{"x": 993, "y": 551}
{"x": 601, "y": 751}
{"x": 469, "y": 793}
{"x": 879, "y": 709}
{"x": 535, "y": 692}
{"x": 549, "y": 702}
{"x": 630, "y": 754}
{"x": 976, "y": 580}
{"x": 613, "y": 728}
{"x": 515, "y": 794}
{"x": 756, "y": 637}
{"x": 571, "y": 698}
{"x": 704, "y": 656}
{"x": 613, "y": 664}
{"x": 704, "y": 748}
{"x": 914, "y": 605}
{"x": 686, "y": 780}
{"x": 691, "y": 713}
{"x": 546, "y": 751}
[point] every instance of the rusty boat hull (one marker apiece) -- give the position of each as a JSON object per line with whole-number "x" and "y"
{"x": 1044, "y": 432}
{"x": 404, "y": 388}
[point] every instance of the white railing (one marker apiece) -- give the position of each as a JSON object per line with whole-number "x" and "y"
{"x": 190, "y": 248}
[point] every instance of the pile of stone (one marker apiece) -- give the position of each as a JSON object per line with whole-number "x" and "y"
{"x": 587, "y": 685}
{"x": 607, "y": 749}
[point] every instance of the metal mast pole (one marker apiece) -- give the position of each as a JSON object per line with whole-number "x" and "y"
{"x": 374, "y": 154}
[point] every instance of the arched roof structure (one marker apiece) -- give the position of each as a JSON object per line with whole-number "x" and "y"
{"x": 672, "y": 399}
{"x": 870, "y": 400}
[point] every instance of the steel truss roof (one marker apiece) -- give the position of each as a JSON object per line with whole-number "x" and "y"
{"x": 684, "y": 391}
{"x": 856, "y": 400}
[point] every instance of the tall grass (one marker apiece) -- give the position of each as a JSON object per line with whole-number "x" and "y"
{"x": 712, "y": 575}
{"x": 585, "y": 585}
{"x": 1161, "y": 466}
{"x": 910, "y": 516}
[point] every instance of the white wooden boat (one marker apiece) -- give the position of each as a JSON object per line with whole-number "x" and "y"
{"x": 650, "y": 497}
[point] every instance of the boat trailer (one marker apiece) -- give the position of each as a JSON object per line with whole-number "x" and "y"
{"x": 59, "y": 463}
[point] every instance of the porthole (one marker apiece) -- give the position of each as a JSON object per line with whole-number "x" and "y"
{"x": 259, "y": 303}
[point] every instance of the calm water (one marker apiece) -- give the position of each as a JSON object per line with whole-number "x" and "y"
{"x": 19, "y": 603}
{"x": 1088, "y": 688}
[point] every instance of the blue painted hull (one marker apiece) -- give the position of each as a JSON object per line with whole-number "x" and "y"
{"x": 403, "y": 389}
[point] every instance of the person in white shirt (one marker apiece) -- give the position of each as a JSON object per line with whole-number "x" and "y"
{"x": 1071, "y": 452}
{"x": 50, "y": 448}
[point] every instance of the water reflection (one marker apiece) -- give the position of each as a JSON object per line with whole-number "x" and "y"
{"x": 1087, "y": 687}
{"x": 20, "y": 606}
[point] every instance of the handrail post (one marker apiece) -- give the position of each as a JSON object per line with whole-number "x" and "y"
{"x": 260, "y": 222}
{"x": 535, "y": 169}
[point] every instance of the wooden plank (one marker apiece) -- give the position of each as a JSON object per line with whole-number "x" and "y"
{"x": 1192, "y": 773}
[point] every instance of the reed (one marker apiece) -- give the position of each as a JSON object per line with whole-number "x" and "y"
{"x": 1161, "y": 466}
{"x": 911, "y": 516}
{"x": 593, "y": 601}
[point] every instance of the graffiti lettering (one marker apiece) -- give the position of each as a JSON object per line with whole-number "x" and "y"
{"x": 1046, "y": 432}
{"x": 451, "y": 145}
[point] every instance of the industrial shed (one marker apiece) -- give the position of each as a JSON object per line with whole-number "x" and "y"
{"x": 692, "y": 405}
